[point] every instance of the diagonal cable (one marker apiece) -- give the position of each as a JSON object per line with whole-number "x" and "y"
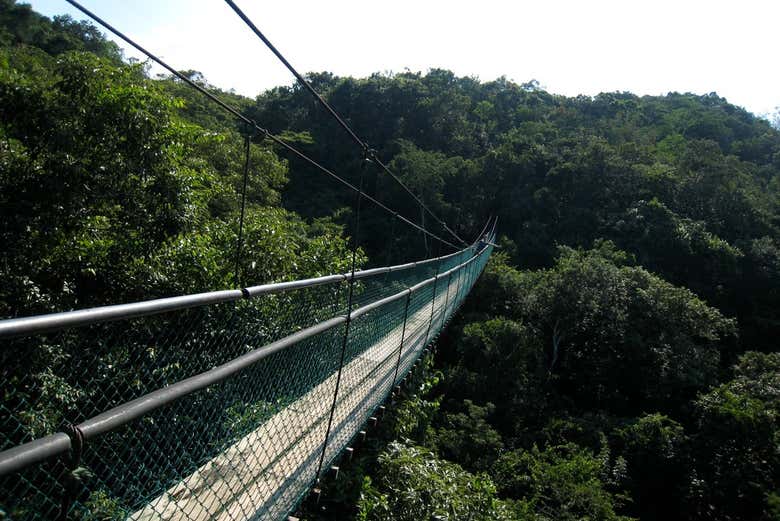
{"x": 235, "y": 112}
{"x": 362, "y": 144}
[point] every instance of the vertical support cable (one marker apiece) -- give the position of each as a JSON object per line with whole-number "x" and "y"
{"x": 458, "y": 291}
{"x": 71, "y": 486}
{"x": 403, "y": 336}
{"x": 472, "y": 269}
{"x": 449, "y": 302}
{"x": 240, "y": 242}
{"x": 433, "y": 301}
{"x": 390, "y": 249}
{"x": 425, "y": 237}
{"x": 466, "y": 282}
{"x": 462, "y": 280}
{"x": 446, "y": 299}
{"x": 355, "y": 240}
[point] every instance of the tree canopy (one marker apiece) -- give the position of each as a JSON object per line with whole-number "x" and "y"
{"x": 618, "y": 358}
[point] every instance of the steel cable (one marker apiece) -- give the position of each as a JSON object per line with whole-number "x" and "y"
{"x": 248, "y": 121}
{"x": 362, "y": 144}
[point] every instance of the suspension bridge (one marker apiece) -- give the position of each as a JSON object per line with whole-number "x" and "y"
{"x": 235, "y": 436}
{"x": 223, "y": 405}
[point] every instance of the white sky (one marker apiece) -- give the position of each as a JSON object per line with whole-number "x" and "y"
{"x": 570, "y": 47}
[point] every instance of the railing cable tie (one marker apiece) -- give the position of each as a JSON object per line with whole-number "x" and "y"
{"x": 70, "y": 482}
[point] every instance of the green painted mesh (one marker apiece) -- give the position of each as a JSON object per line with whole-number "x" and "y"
{"x": 247, "y": 447}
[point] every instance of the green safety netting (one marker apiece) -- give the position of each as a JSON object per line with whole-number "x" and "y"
{"x": 248, "y": 446}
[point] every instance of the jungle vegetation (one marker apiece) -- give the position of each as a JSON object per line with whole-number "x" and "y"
{"x": 618, "y": 359}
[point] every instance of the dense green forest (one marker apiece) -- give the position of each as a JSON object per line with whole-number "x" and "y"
{"x": 616, "y": 361}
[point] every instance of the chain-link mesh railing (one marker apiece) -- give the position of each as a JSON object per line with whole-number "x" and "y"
{"x": 213, "y": 406}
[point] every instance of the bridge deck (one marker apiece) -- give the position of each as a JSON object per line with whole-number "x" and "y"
{"x": 262, "y": 475}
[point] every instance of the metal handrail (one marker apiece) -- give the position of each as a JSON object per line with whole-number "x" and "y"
{"x": 67, "y": 319}
{"x": 35, "y": 451}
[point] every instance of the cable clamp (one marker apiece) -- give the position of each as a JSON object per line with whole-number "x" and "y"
{"x": 76, "y": 444}
{"x": 71, "y": 479}
{"x": 369, "y": 154}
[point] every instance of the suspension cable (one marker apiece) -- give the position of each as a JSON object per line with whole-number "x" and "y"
{"x": 362, "y": 144}
{"x": 352, "y": 187}
{"x": 297, "y": 75}
{"x": 235, "y": 112}
{"x": 240, "y": 241}
{"x": 345, "y": 338}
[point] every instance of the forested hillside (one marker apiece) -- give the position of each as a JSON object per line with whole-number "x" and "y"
{"x": 687, "y": 185}
{"x": 120, "y": 189}
{"x": 618, "y": 358}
